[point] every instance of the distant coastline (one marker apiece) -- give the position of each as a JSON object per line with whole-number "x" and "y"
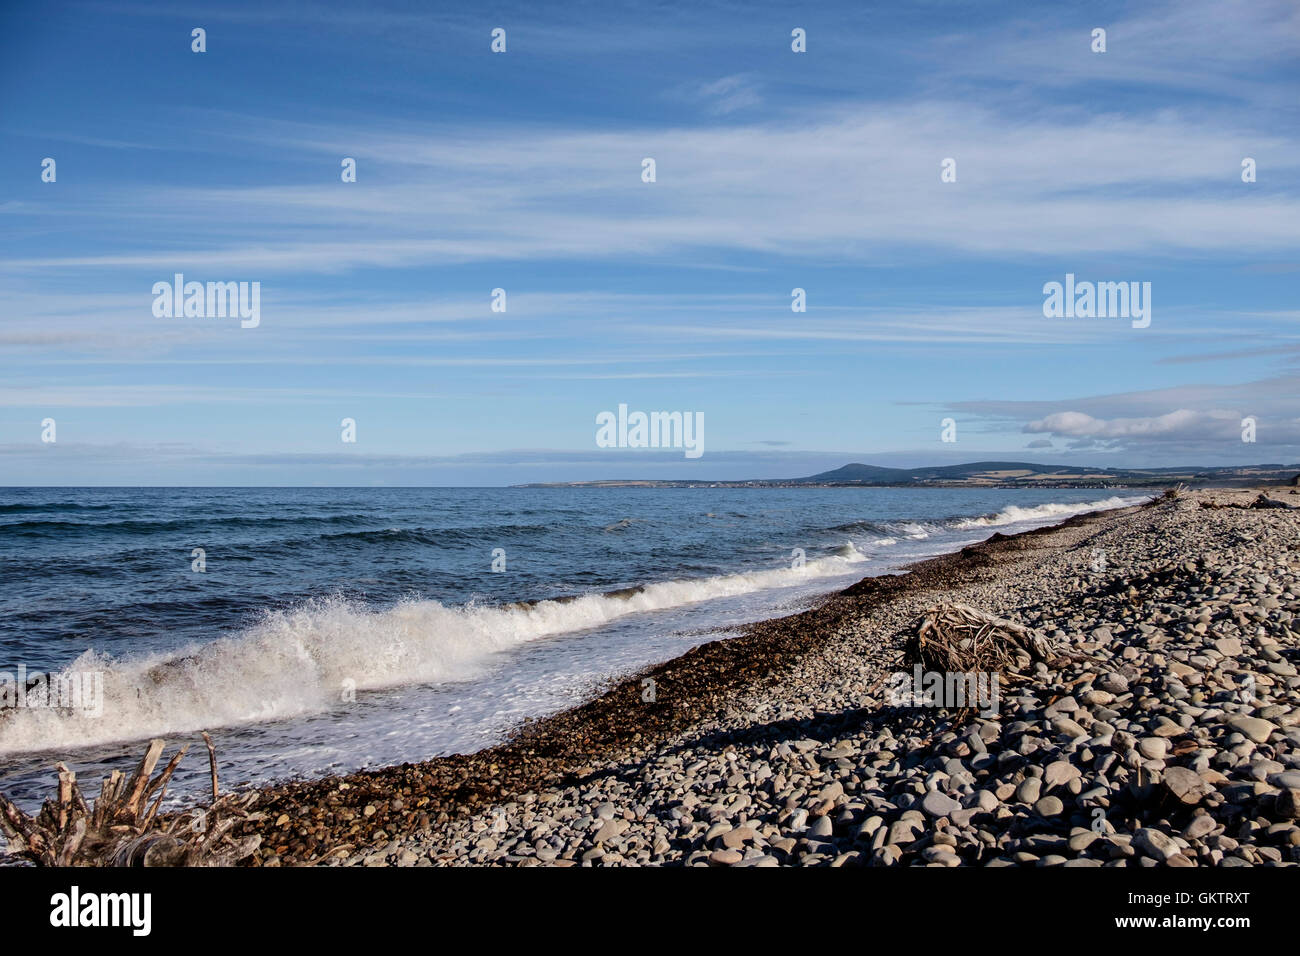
{"x": 979, "y": 474}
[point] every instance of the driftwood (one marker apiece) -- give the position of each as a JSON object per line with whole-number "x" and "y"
{"x": 1262, "y": 501}
{"x": 124, "y": 828}
{"x": 955, "y": 638}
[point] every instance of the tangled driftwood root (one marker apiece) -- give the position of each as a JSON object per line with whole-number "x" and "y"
{"x": 1261, "y": 501}
{"x": 956, "y": 638}
{"x": 124, "y": 828}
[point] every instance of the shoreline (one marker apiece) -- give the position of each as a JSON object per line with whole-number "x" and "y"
{"x": 779, "y": 745}
{"x": 327, "y": 816}
{"x": 1161, "y": 727}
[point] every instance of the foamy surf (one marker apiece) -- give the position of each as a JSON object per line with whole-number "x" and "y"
{"x": 1014, "y": 514}
{"x": 311, "y": 659}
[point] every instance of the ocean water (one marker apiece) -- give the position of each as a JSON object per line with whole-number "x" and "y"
{"x": 334, "y": 629}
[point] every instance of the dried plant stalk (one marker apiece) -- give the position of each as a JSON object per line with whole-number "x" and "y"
{"x": 123, "y": 828}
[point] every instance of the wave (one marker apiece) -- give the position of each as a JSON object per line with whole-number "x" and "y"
{"x": 306, "y": 660}
{"x": 145, "y": 526}
{"x": 857, "y": 527}
{"x": 888, "y": 533}
{"x": 620, "y": 525}
{"x": 1014, "y": 514}
{"x": 53, "y": 506}
{"x": 915, "y": 530}
{"x": 204, "y": 528}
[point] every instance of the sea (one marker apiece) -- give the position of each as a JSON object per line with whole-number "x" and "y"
{"x": 323, "y": 630}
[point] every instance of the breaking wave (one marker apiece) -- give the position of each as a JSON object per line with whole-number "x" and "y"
{"x": 305, "y": 660}
{"x": 1015, "y": 514}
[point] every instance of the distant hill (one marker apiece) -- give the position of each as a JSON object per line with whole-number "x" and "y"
{"x": 859, "y": 472}
{"x": 874, "y": 474}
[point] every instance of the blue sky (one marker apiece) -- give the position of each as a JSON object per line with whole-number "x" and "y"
{"x": 522, "y": 171}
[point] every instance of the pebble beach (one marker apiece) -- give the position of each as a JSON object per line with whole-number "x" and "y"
{"x": 1165, "y": 731}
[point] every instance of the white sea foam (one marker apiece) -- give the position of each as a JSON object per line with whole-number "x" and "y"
{"x": 303, "y": 661}
{"x": 1014, "y": 514}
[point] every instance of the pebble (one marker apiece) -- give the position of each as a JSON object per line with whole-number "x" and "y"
{"x": 1256, "y": 728}
{"x": 938, "y": 804}
{"x": 1185, "y": 785}
{"x": 1153, "y": 748}
{"x": 1155, "y": 843}
{"x": 1049, "y": 807}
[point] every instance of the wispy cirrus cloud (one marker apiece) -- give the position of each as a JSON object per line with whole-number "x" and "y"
{"x": 728, "y": 94}
{"x": 775, "y": 187}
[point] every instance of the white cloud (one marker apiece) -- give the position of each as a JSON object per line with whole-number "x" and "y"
{"x": 1181, "y": 423}
{"x": 729, "y": 94}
